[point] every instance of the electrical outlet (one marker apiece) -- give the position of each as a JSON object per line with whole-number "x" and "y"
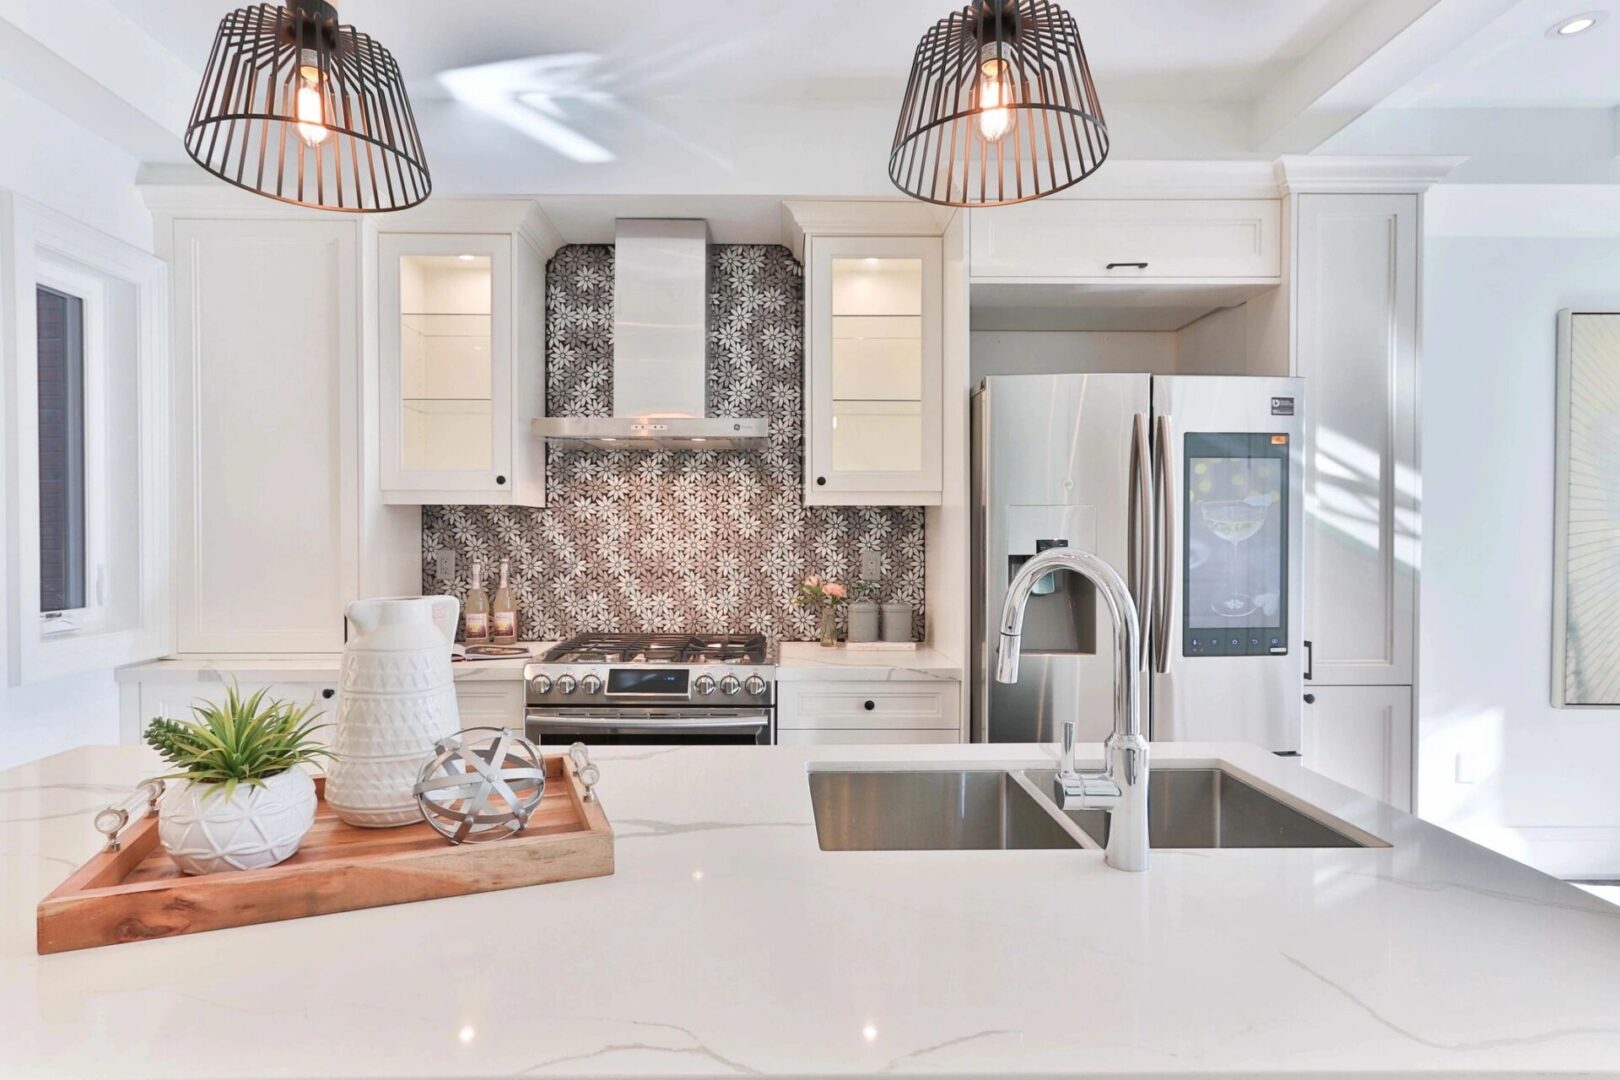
{"x": 871, "y": 564}
{"x": 444, "y": 564}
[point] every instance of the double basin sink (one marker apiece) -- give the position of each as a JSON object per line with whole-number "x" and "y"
{"x": 995, "y": 809}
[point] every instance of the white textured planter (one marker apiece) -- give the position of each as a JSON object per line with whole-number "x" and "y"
{"x": 398, "y": 700}
{"x": 204, "y": 832}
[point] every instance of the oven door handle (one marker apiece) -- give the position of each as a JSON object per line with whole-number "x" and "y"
{"x": 706, "y": 723}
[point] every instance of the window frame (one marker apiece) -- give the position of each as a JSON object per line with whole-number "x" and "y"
{"x": 41, "y": 247}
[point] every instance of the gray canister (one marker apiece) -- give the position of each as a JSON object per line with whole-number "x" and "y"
{"x": 863, "y": 621}
{"x": 896, "y": 622}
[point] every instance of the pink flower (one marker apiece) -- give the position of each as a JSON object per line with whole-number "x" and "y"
{"x": 812, "y": 582}
{"x": 835, "y": 590}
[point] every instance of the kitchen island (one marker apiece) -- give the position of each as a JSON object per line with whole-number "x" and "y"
{"x": 728, "y": 943}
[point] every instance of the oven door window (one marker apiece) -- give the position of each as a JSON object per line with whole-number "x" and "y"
{"x": 1235, "y": 579}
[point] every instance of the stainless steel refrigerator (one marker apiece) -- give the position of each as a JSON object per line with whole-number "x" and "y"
{"x": 1191, "y": 487}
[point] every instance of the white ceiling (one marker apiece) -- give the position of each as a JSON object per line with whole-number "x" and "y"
{"x": 1513, "y": 64}
{"x": 821, "y": 50}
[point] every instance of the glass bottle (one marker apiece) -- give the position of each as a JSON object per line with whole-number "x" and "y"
{"x": 503, "y": 627}
{"x": 476, "y": 630}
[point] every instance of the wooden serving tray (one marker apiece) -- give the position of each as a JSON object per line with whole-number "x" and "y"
{"x": 137, "y": 892}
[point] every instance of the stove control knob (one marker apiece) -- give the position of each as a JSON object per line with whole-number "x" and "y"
{"x": 703, "y": 685}
{"x": 755, "y": 685}
{"x": 591, "y": 684}
{"x": 730, "y": 685}
{"x": 566, "y": 684}
{"x": 542, "y": 684}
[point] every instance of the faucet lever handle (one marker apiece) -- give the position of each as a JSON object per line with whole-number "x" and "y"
{"x": 1066, "y": 762}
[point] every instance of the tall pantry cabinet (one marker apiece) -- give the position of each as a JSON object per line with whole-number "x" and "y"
{"x": 1355, "y": 279}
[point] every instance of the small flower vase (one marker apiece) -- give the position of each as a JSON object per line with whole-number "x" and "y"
{"x": 829, "y": 627}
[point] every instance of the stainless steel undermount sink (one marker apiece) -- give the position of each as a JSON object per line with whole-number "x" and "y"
{"x": 930, "y": 810}
{"x": 990, "y": 809}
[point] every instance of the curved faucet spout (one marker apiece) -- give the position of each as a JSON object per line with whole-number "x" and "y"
{"x": 1121, "y": 788}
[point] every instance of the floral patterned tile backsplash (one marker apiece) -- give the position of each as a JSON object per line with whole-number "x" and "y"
{"x": 671, "y": 541}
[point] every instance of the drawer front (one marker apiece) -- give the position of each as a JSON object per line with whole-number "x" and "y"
{"x": 1109, "y": 239}
{"x": 864, "y": 737}
{"x": 491, "y": 704}
{"x": 874, "y": 706}
{"x": 174, "y": 700}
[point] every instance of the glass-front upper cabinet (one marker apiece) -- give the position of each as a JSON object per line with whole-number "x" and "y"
{"x": 874, "y": 414}
{"x": 450, "y": 380}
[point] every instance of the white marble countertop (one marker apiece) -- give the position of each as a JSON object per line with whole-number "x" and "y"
{"x": 728, "y": 943}
{"x": 798, "y": 661}
{"x": 803, "y": 661}
{"x": 295, "y": 668}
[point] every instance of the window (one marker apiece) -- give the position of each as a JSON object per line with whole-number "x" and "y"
{"x": 90, "y": 384}
{"x": 62, "y": 570}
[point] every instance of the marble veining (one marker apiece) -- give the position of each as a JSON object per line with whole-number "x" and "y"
{"x": 727, "y": 943}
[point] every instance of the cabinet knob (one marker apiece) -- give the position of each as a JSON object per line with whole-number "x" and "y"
{"x": 1310, "y": 699}
{"x": 329, "y": 693}
{"x": 821, "y": 481}
{"x": 869, "y": 706}
{"x": 500, "y": 479}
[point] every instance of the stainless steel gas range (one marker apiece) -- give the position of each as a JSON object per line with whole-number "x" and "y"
{"x": 653, "y": 689}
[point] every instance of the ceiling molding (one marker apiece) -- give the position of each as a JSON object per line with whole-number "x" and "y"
{"x": 1299, "y": 174}
{"x": 860, "y": 217}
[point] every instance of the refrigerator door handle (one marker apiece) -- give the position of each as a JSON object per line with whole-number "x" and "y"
{"x": 1139, "y": 543}
{"x": 1165, "y": 544}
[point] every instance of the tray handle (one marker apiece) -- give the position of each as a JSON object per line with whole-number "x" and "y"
{"x": 137, "y": 804}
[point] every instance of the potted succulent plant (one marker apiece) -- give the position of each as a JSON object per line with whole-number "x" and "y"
{"x": 823, "y": 597}
{"x": 243, "y": 800}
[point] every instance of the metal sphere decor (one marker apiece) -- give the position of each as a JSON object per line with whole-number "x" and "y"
{"x": 482, "y": 784}
{"x": 1000, "y": 108}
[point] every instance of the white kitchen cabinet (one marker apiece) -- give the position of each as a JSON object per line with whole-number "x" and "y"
{"x": 873, "y": 373}
{"x": 865, "y": 737}
{"x": 1361, "y": 736}
{"x": 1109, "y": 240}
{"x": 461, "y": 368}
{"x": 143, "y": 701}
{"x": 266, "y": 415}
{"x": 1356, "y": 346}
{"x": 836, "y": 710}
{"x": 491, "y": 702}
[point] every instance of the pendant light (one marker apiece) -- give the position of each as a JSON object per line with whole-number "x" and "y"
{"x": 1000, "y": 108}
{"x": 296, "y": 107}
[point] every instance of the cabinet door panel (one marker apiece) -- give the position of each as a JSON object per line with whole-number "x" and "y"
{"x": 874, "y": 412}
{"x": 266, "y": 377}
{"x": 1104, "y": 239}
{"x": 1357, "y": 349}
{"x": 445, "y": 364}
{"x": 1361, "y": 736}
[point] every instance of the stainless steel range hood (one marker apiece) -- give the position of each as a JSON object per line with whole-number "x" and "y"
{"x": 660, "y": 350}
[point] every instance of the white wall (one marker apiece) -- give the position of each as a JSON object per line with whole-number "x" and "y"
{"x": 1496, "y": 762}
{"x": 47, "y": 158}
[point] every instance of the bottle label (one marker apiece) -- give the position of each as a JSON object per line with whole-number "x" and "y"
{"x": 506, "y": 624}
{"x": 477, "y": 626}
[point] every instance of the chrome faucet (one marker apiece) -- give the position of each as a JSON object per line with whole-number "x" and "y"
{"x": 1121, "y": 788}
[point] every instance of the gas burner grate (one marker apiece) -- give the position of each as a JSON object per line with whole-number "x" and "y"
{"x": 661, "y": 649}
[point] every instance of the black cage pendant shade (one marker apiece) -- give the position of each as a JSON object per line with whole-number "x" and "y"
{"x": 1000, "y": 108}
{"x": 296, "y": 107}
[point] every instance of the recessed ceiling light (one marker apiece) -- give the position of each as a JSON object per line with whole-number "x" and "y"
{"x": 466, "y": 258}
{"x": 1577, "y": 24}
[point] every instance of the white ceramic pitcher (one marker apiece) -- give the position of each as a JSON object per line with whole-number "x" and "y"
{"x": 398, "y": 699}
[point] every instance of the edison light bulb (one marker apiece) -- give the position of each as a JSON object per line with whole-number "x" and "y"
{"x": 995, "y": 94}
{"x": 311, "y": 127}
